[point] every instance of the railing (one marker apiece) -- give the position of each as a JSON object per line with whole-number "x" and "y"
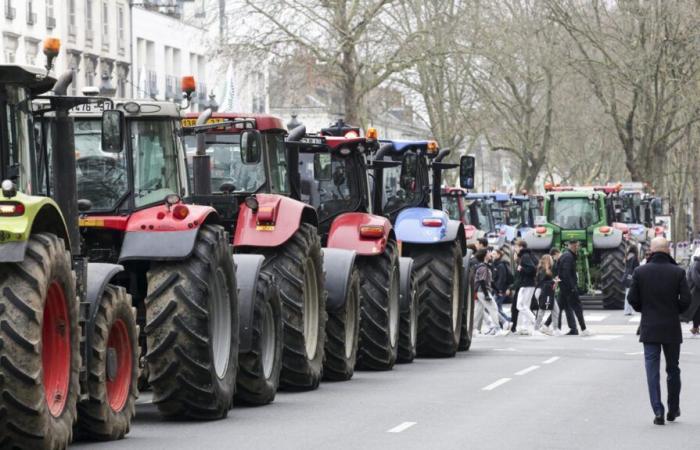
{"x": 31, "y": 18}
{"x": 152, "y": 83}
{"x": 50, "y": 22}
{"x": 10, "y": 12}
{"x": 202, "y": 97}
{"x": 171, "y": 87}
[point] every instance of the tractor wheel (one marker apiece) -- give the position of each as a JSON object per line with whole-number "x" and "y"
{"x": 440, "y": 316}
{"x": 298, "y": 268}
{"x": 342, "y": 332}
{"x": 408, "y": 327}
{"x": 612, "y": 270}
{"x": 465, "y": 338}
{"x": 192, "y": 330}
{"x": 39, "y": 347}
{"x": 259, "y": 369}
{"x": 113, "y": 371}
{"x": 380, "y": 311}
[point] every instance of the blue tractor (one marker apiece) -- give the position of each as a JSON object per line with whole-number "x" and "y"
{"x": 406, "y": 189}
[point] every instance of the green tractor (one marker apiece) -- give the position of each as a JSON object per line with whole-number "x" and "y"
{"x": 583, "y": 215}
{"x": 68, "y": 337}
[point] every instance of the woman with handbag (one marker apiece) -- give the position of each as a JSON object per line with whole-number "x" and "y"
{"x": 545, "y": 291}
{"x": 631, "y": 263}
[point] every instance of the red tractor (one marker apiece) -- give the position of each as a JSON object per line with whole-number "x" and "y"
{"x": 333, "y": 177}
{"x": 241, "y": 167}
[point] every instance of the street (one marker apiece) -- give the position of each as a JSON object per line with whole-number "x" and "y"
{"x": 506, "y": 393}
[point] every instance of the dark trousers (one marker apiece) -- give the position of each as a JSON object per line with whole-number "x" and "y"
{"x": 652, "y": 361}
{"x": 571, "y": 305}
{"x": 514, "y": 313}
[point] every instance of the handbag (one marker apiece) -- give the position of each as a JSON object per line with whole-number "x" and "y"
{"x": 545, "y": 299}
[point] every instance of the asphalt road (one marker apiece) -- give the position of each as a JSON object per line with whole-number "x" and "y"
{"x": 506, "y": 393}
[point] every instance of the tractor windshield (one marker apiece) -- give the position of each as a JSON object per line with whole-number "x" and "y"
{"x": 576, "y": 213}
{"x": 450, "y": 204}
{"x": 15, "y": 142}
{"x": 402, "y": 187}
{"x": 515, "y": 214}
{"x": 330, "y": 183}
{"x": 480, "y": 215}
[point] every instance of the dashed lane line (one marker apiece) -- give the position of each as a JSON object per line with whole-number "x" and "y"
{"x": 401, "y": 427}
{"x": 635, "y": 319}
{"x": 603, "y": 337}
{"x": 550, "y": 360}
{"x": 527, "y": 370}
{"x": 595, "y": 317}
{"x": 495, "y": 384}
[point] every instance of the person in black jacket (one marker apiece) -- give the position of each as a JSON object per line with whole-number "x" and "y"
{"x": 692, "y": 314}
{"x": 568, "y": 290}
{"x": 527, "y": 268}
{"x": 502, "y": 278}
{"x": 631, "y": 263}
{"x": 660, "y": 292}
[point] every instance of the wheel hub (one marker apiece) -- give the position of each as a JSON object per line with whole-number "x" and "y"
{"x": 220, "y": 321}
{"x": 119, "y": 365}
{"x": 56, "y": 349}
{"x": 269, "y": 335}
{"x": 310, "y": 308}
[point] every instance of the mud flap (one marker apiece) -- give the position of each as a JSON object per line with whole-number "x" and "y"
{"x": 247, "y": 272}
{"x": 405, "y": 272}
{"x": 338, "y": 265}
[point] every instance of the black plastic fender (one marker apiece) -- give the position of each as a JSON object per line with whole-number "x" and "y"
{"x": 405, "y": 271}
{"x": 247, "y": 272}
{"x": 338, "y": 265}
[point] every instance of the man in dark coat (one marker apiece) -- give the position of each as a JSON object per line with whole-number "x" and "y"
{"x": 568, "y": 290}
{"x": 660, "y": 292}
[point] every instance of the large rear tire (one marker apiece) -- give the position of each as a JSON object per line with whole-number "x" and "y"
{"x": 440, "y": 316}
{"x": 380, "y": 312}
{"x": 39, "y": 347}
{"x": 113, "y": 371}
{"x": 259, "y": 369}
{"x": 612, "y": 270}
{"x": 342, "y": 331}
{"x": 192, "y": 330}
{"x": 298, "y": 268}
{"x": 408, "y": 327}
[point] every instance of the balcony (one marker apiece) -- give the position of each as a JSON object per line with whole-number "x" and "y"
{"x": 89, "y": 37}
{"x": 171, "y": 90}
{"x": 50, "y": 22}
{"x": 152, "y": 83}
{"x": 202, "y": 97}
{"x": 31, "y": 18}
{"x": 10, "y": 12}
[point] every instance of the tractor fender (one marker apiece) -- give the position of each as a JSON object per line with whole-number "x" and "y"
{"x": 539, "y": 241}
{"x": 345, "y": 233}
{"x": 98, "y": 277}
{"x": 273, "y": 223}
{"x": 338, "y": 265}
{"x": 405, "y": 292}
{"x": 613, "y": 239}
{"x": 154, "y": 234}
{"x": 41, "y": 214}
{"x": 410, "y": 226}
{"x": 466, "y": 265}
{"x": 248, "y": 268}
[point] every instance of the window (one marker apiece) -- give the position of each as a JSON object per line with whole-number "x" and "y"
{"x": 576, "y": 213}
{"x": 71, "y": 18}
{"x": 450, "y": 204}
{"x": 88, "y": 17}
{"x": 155, "y": 161}
{"x": 120, "y": 26}
{"x": 50, "y": 18}
{"x": 105, "y": 23}
{"x": 329, "y": 183}
{"x": 279, "y": 179}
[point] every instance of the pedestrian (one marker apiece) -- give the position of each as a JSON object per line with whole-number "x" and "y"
{"x": 544, "y": 291}
{"x": 483, "y": 280}
{"x": 502, "y": 279}
{"x": 631, "y": 263}
{"x": 552, "y": 325}
{"x": 693, "y": 312}
{"x": 482, "y": 243}
{"x": 568, "y": 290}
{"x": 527, "y": 269}
{"x": 660, "y": 292}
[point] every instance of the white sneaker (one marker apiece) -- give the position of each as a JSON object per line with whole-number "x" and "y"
{"x": 505, "y": 333}
{"x": 586, "y": 332}
{"x": 546, "y": 330}
{"x": 557, "y": 332}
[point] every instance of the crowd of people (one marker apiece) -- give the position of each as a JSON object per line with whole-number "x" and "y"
{"x": 543, "y": 290}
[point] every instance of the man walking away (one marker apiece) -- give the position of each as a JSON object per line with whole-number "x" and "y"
{"x": 568, "y": 290}
{"x": 693, "y": 312}
{"x": 660, "y": 292}
{"x": 482, "y": 280}
{"x": 527, "y": 268}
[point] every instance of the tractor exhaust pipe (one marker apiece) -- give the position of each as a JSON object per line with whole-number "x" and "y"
{"x": 201, "y": 168}
{"x": 442, "y": 155}
{"x": 296, "y": 134}
{"x": 63, "y": 163}
{"x": 61, "y": 85}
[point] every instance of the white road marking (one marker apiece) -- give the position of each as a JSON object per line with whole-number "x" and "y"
{"x": 550, "y": 360}
{"x": 527, "y": 370}
{"x": 509, "y": 349}
{"x": 495, "y": 384}
{"x": 603, "y": 337}
{"x": 595, "y": 317}
{"x": 634, "y": 353}
{"x": 401, "y": 427}
{"x": 635, "y": 319}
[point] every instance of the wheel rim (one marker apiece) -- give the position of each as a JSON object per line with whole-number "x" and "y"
{"x": 221, "y": 323}
{"x": 350, "y": 323}
{"x": 119, "y": 386}
{"x": 310, "y": 309}
{"x": 455, "y": 297}
{"x": 394, "y": 307}
{"x": 55, "y": 349}
{"x": 414, "y": 321}
{"x": 269, "y": 335}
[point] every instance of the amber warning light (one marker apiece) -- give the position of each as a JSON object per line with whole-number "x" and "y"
{"x": 372, "y": 133}
{"x": 188, "y": 85}
{"x": 52, "y": 46}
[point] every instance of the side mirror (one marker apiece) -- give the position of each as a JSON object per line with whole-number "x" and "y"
{"x": 251, "y": 146}
{"x": 322, "y": 167}
{"x": 113, "y": 130}
{"x": 467, "y": 167}
{"x": 409, "y": 172}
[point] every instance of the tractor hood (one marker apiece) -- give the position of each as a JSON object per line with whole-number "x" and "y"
{"x": 426, "y": 226}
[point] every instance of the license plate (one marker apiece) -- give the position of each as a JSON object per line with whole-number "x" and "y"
{"x": 192, "y": 121}
{"x": 93, "y": 107}
{"x": 313, "y": 140}
{"x": 265, "y": 228}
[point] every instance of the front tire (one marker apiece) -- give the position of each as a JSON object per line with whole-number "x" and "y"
{"x": 612, "y": 269}
{"x": 408, "y": 328}
{"x": 465, "y": 337}
{"x": 342, "y": 331}
{"x": 107, "y": 413}
{"x": 192, "y": 330}
{"x": 39, "y": 347}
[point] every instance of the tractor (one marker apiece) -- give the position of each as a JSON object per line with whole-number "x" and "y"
{"x": 637, "y": 210}
{"x": 406, "y": 190}
{"x": 584, "y": 215}
{"x": 241, "y": 166}
{"x": 334, "y": 178}
{"x": 176, "y": 257}
{"x": 68, "y": 334}
{"x": 474, "y": 211}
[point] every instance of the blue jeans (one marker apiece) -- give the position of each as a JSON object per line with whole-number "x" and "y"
{"x": 652, "y": 361}
{"x": 499, "y": 301}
